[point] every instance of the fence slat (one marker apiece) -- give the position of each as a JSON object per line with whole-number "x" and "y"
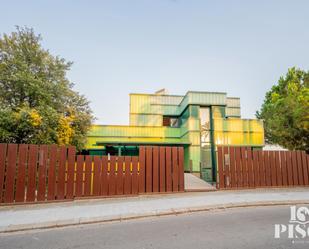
{"x": 220, "y": 168}
{"x": 299, "y": 168}
{"x": 43, "y": 155}
{"x": 79, "y": 176}
{"x": 305, "y": 168}
{"x": 232, "y": 167}
{"x": 127, "y": 185}
{"x": 262, "y": 168}
{"x": 278, "y": 168}
{"x": 21, "y": 173}
{"x": 51, "y": 187}
{"x": 244, "y": 166}
{"x": 256, "y": 169}
{"x": 267, "y": 166}
{"x": 104, "y": 176}
{"x": 88, "y": 176}
{"x": 10, "y": 173}
{"x": 284, "y": 168}
{"x": 119, "y": 177}
{"x": 142, "y": 165}
{"x": 175, "y": 172}
{"x": 238, "y": 168}
{"x": 155, "y": 169}
{"x": 2, "y": 167}
{"x": 250, "y": 168}
{"x": 272, "y": 156}
{"x": 289, "y": 168}
{"x": 307, "y": 157}
{"x": 70, "y": 172}
{"x": 112, "y": 177}
{"x": 242, "y": 176}
{"x": 181, "y": 168}
{"x": 135, "y": 179}
{"x": 162, "y": 169}
{"x": 226, "y": 167}
{"x": 168, "y": 169}
{"x": 294, "y": 166}
{"x": 148, "y": 169}
{"x": 32, "y": 169}
{"x": 61, "y": 173}
{"x": 96, "y": 175}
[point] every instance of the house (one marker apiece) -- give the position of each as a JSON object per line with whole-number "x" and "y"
{"x": 198, "y": 121}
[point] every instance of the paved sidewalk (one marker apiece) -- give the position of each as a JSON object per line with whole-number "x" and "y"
{"x": 24, "y": 217}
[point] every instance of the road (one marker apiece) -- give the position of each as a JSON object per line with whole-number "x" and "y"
{"x": 231, "y": 228}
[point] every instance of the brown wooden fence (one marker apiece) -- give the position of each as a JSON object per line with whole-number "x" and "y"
{"x": 32, "y": 173}
{"x": 242, "y": 167}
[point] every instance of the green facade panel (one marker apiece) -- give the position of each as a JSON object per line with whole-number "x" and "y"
{"x": 232, "y": 112}
{"x": 186, "y": 158}
{"x": 218, "y": 111}
{"x": 189, "y": 125}
{"x": 195, "y": 157}
{"x": 146, "y": 120}
{"x": 233, "y": 102}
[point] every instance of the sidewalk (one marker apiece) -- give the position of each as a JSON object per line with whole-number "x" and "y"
{"x": 24, "y": 217}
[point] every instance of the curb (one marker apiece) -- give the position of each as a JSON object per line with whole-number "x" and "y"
{"x": 93, "y": 220}
{"x": 200, "y": 190}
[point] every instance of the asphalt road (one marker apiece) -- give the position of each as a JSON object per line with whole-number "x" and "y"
{"x": 232, "y": 228}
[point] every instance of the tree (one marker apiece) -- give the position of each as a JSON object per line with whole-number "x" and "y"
{"x": 37, "y": 101}
{"x": 286, "y": 111}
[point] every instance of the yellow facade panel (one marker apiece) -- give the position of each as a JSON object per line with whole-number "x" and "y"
{"x": 239, "y": 138}
{"x": 239, "y": 125}
{"x": 133, "y": 131}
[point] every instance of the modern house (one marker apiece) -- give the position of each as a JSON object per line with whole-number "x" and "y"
{"x": 198, "y": 121}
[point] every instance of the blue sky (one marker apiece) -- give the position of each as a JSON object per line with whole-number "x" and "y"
{"x": 118, "y": 47}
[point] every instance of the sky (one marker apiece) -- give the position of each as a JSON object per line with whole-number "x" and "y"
{"x": 140, "y": 46}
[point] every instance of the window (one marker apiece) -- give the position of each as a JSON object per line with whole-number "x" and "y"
{"x": 171, "y": 121}
{"x": 174, "y": 122}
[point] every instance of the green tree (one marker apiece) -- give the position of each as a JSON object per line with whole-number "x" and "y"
{"x": 286, "y": 111}
{"x": 37, "y": 101}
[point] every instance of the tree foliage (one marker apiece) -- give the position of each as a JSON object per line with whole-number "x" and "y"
{"x": 286, "y": 111}
{"x": 37, "y": 101}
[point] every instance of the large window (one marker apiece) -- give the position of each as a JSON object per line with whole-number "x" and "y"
{"x": 205, "y": 137}
{"x": 205, "y": 125}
